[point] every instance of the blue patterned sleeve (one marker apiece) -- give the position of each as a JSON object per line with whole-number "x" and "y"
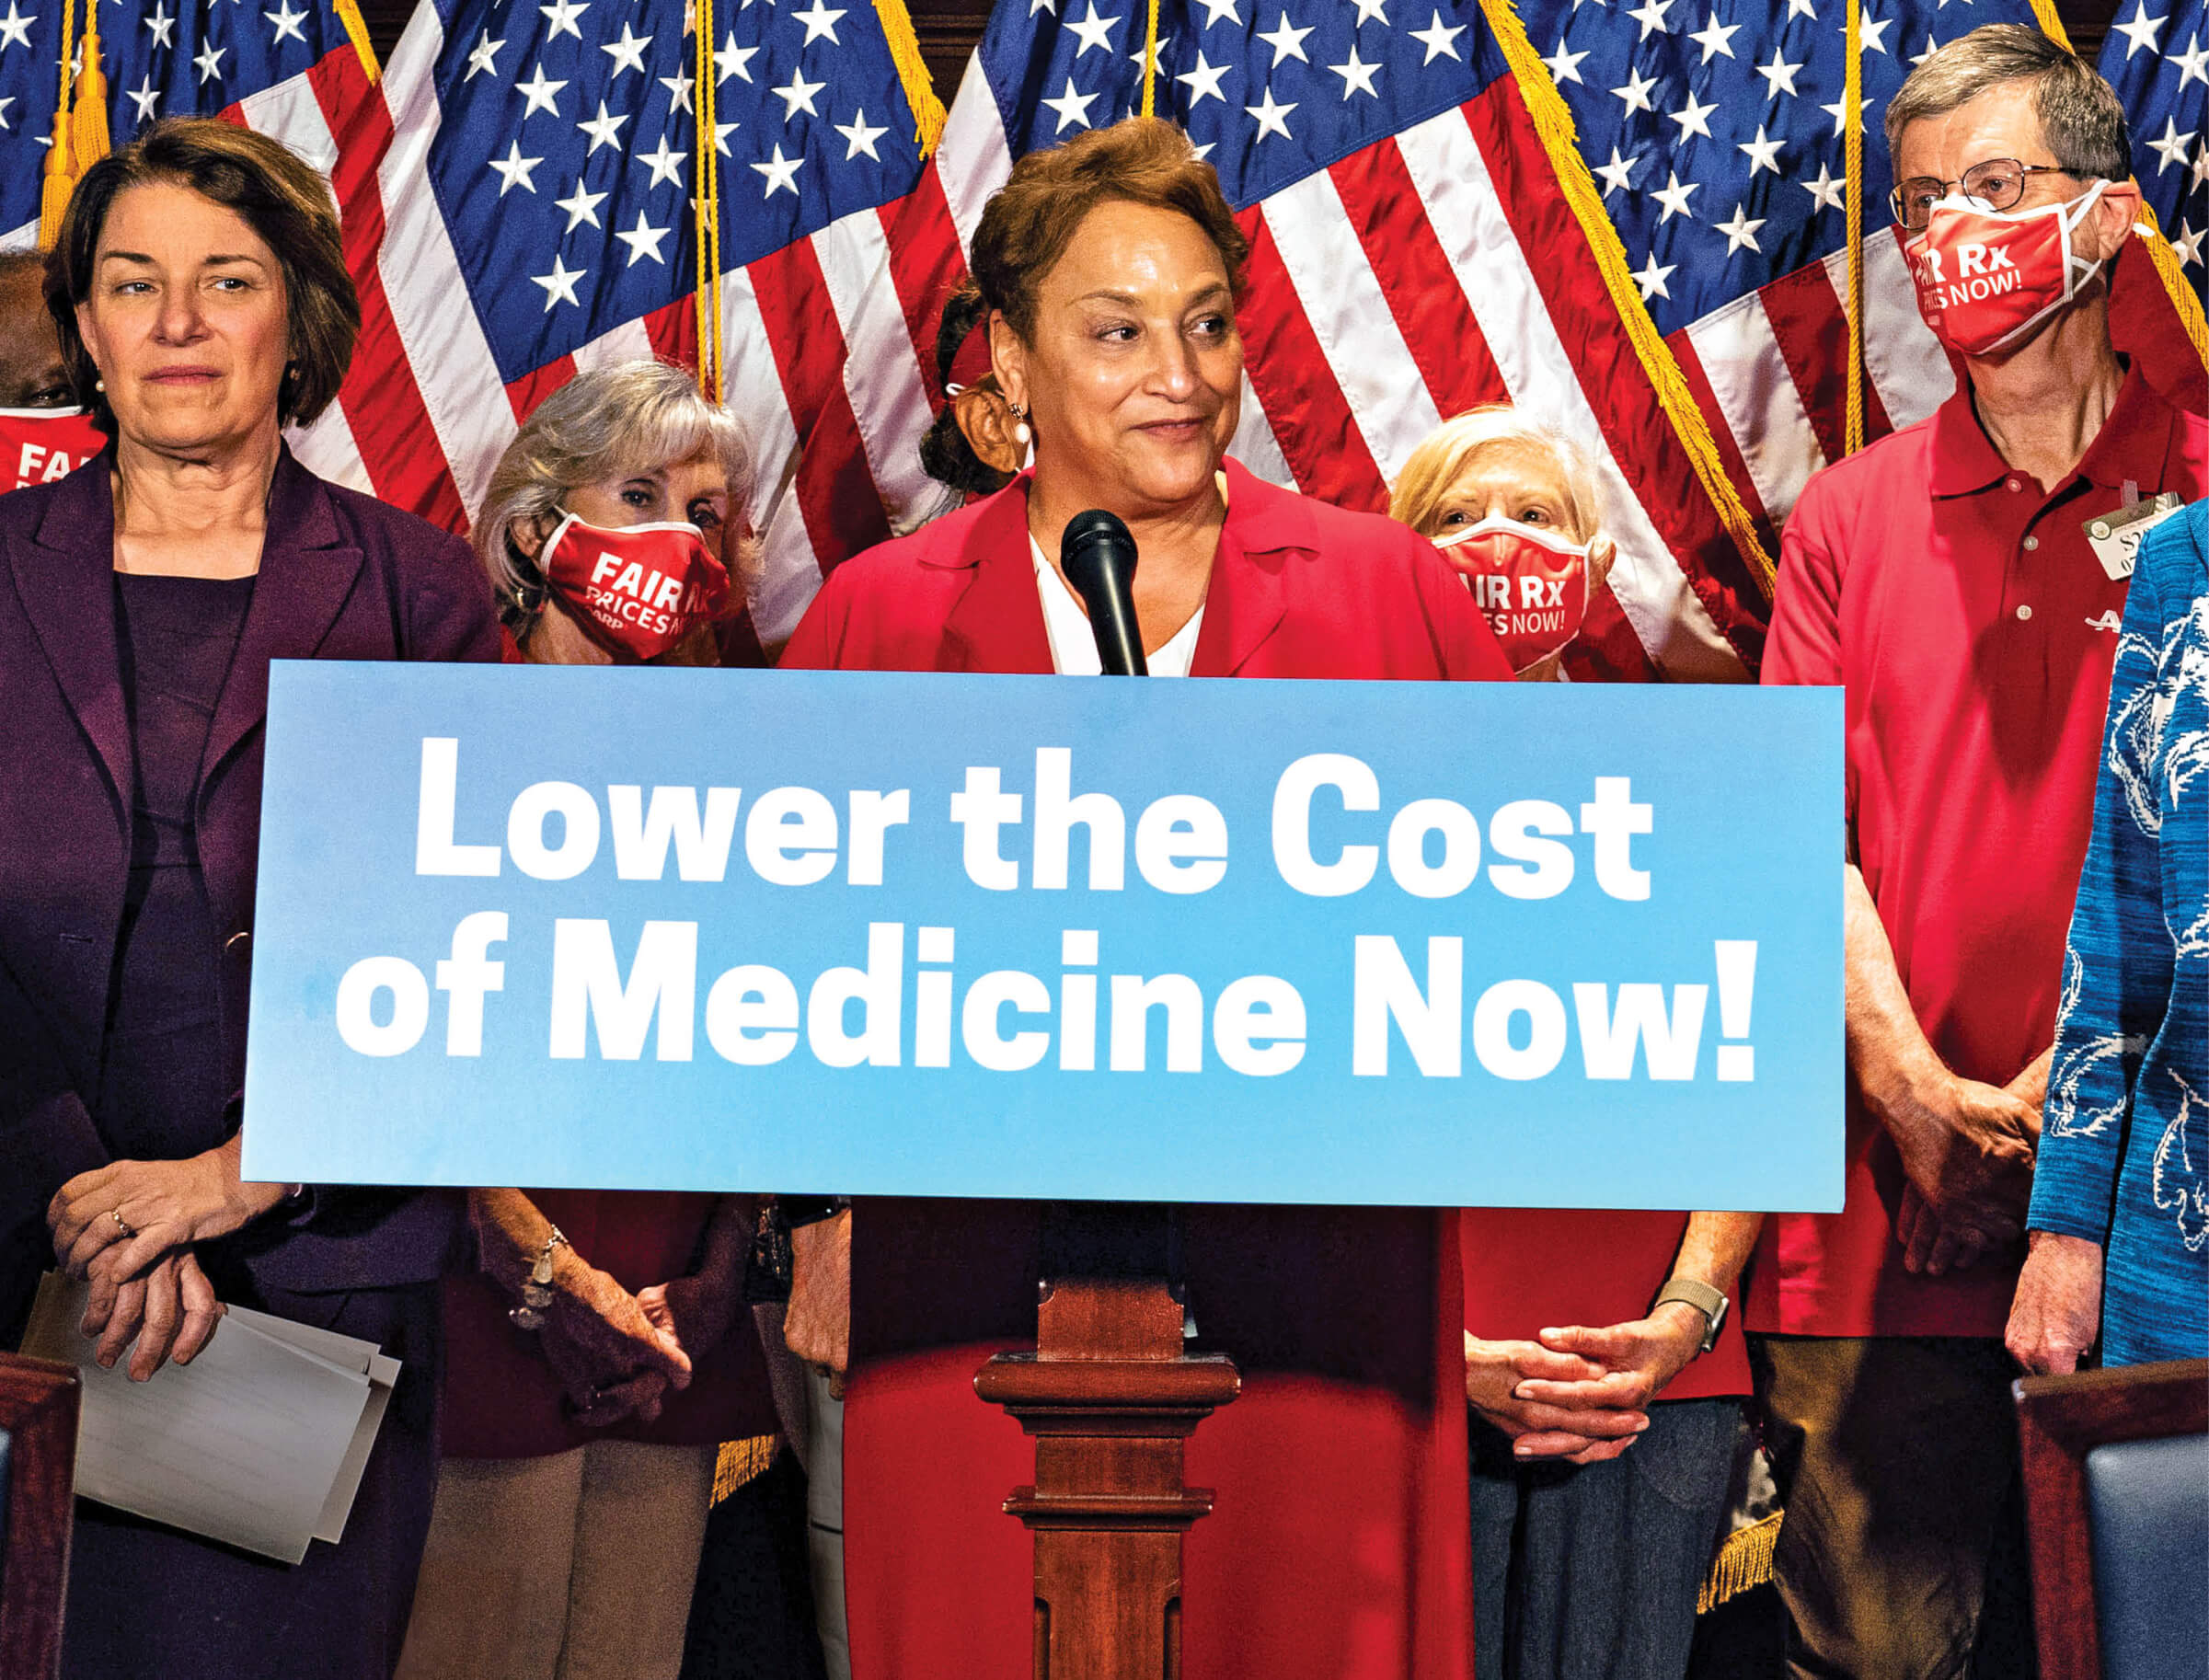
{"x": 2118, "y": 961}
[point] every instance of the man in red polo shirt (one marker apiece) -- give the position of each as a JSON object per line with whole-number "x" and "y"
{"x": 1949, "y": 576}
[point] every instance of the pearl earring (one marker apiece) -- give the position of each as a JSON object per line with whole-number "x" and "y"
{"x": 1020, "y": 434}
{"x": 100, "y": 385}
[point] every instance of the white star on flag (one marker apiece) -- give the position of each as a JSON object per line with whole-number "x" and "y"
{"x": 287, "y": 22}
{"x": 1694, "y": 120}
{"x": 1287, "y": 40}
{"x": 2141, "y": 32}
{"x": 861, "y": 137}
{"x": 782, "y": 173}
{"x": 1827, "y": 192}
{"x": 1674, "y": 196}
{"x": 539, "y": 94}
{"x": 643, "y": 241}
{"x": 513, "y": 170}
{"x": 1716, "y": 38}
{"x": 628, "y": 53}
{"x": 1357, "y": 77}
{"x": 15, "y": 27}
{"x": 1071, "y": 109}
{"x": 665, "y": 164}
{"x": 1650, "y": 15}
{"x": 1763, "y": 153}
{"x": 559, "y": 286}
{"x": 820, "y": 24}
{"x": 730, "y": 60}
{"x": 1273, "y": 119}
{"x": 1636, "y": 92}
{"x": 1740, "y": 230}
{"x": 1203, "y": 82}
{"x": 560, "y": 17}
{"x": 1439, "y": 42}
{"x": 797, "y": 96}
{"x": 209, "y": 61}
{"x": 165, "y": 26}
{"x": 1619, "y": 174}
{"x": 604, "y": 130}
{"x": 1093, "y": 31}
{"x": 1652, "y": 278}
{"x": 581, "y": 207}
{"x": 1779, "y": 76}
{"x": 2172, "y": 147}
{"x": 1564, "y": 67}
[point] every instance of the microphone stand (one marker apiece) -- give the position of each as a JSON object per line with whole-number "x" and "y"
{"x": 1110, "y": 1394}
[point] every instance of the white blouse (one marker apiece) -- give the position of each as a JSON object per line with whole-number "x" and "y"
{"x": 1074, "y": 646}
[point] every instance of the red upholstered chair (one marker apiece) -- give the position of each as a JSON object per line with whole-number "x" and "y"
{"x": 38, "y": 1474}
{"x": 2117, "y": 1501}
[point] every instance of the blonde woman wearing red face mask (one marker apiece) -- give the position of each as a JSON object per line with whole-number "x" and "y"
{"x": 1603, "y": 1426}
{"x": 1513, "y": 507}
{"x": 599, "y": 1349}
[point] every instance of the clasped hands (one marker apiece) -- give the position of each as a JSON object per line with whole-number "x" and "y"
{"x": 1968, "y": 1150}
{"x": 130, "y": 1227}
{"x": 1578, "y": 1394}
{"x": 619, "y": 1355}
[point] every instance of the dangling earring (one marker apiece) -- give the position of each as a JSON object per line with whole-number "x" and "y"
{"x": 1020, "y": 434}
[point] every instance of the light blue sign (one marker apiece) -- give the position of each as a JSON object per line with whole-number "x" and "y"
{"x": 1502, "y": 944}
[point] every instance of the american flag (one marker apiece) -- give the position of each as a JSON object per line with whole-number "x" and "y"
{"x": 288, "y": 67}
{"x": 1413, "y": 256}
{"x": 2158, "y": 61}
{"x": 536, "y": 217}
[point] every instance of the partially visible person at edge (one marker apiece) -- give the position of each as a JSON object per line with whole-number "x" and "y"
{"x": 200, "y": 288}
{"x": 2119, "y": 1225}
{"x": 1945, "y": 577}
{"x": 581, "y": 1416}
{"x": 1111, "y": 267}
{"x": 32, "y": 374}
{"x": 1604, "y": 1369}
{"x": 970, "y": 448}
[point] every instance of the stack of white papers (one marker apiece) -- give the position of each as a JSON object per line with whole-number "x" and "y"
{"x": 259, "y": 1441}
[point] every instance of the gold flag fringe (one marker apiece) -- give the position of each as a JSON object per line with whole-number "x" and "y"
{"x": 1743, "y": 1560}
{"x": 739, "y": 1462}
{"x": 356, "y": 32}
{"x": 1150, "y": 61}
{"x": 1553, "y": 122}
{"x": 912, "y": 73}
{"x": 706, "y": 208}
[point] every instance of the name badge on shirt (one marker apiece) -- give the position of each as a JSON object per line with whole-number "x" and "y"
{"x": 2115, "y": 536}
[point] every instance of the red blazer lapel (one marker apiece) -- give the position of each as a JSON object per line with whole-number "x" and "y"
{"x": 996, "y": 625}
{"x": 65, "y": 578}
{"x": 1245, "y": 602}
{"x": 306, "y": 572}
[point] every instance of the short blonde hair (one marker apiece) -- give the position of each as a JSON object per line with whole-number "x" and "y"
{"x": 1441, "y": 454}
{"x": 611, "y": 422}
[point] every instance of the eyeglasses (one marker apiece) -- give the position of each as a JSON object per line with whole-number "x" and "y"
{"x": 1999, "y": 183}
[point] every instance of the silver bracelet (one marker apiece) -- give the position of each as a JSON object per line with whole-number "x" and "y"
{"x": 536, "y": 1289}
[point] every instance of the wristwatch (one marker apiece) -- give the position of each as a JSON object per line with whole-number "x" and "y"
{"x": 1706, "y": 1300}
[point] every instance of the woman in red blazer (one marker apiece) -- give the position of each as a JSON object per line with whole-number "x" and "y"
{"x": 1337, "y": 1551}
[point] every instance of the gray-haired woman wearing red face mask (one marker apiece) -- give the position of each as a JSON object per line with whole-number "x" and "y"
{"x": 600, "y": 1352}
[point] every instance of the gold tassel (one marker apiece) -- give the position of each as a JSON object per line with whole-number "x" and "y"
{"x": 1553, "y": 122}
{"x": 911, "y": 72}
{"x": 706, "y": 206}
{"x": 356, "y": 32}
{"x": 60, "y": 177}
{"x": 1150, "y": 61}
{"x": 1852, "y": 108}
{"x": 739, "y": 1462}
{"x": 2159, "y": 253}
{"x": 1743, "y": 1560}
{"x": 89, "y": 111}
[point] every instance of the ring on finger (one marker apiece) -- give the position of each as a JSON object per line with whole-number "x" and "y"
{"x": 122, "y": 1224}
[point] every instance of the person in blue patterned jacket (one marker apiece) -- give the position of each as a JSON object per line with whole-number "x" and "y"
{"x": 2120, "y": 1218}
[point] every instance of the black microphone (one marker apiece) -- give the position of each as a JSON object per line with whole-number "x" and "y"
{"x": 1099, "y": 557}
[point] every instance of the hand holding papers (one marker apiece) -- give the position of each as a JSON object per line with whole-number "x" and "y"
{"x": 261, "y": 1442}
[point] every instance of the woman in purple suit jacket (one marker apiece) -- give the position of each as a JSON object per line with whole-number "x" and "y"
{"x": 202, "y": 296}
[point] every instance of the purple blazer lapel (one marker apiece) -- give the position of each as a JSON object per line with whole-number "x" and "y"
{"x": 65, "y": 576}
{"x": 306, "y": 572}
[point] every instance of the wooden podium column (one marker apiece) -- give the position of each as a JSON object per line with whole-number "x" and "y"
{"x": 1109, "y": 1397}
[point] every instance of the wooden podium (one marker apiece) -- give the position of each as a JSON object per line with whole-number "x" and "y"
{"x": 1109, "y": 1395}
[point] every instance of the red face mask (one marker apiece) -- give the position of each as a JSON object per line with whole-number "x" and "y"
{"x": 1532, "y": 584}
{"x": 1986, "y": 277}
{"x": 638, "y": 590}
